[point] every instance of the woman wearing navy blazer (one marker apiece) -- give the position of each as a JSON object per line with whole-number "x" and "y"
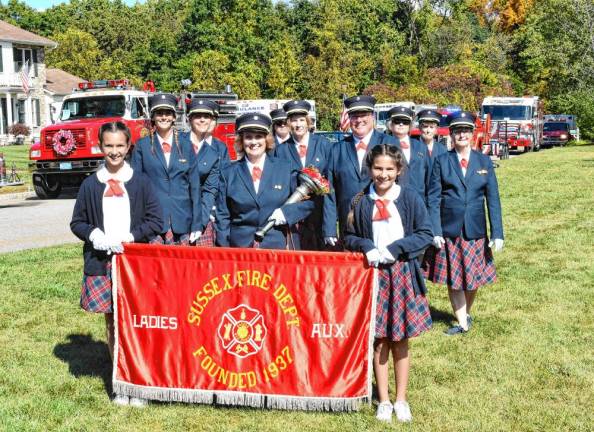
{"x": 201, "y": 113}
{"x": 461, "y": 181}
{"x": 280, "y": 126}
{"x": 210, "y": 119}
{"x": 415, "y": 173}
{"x": 169, "y": 163}
{"x": 254, "y": 189}
{"x": 429, "y": 124}
{"x": 348, "y": 173}
{"x": 305, "y": 149}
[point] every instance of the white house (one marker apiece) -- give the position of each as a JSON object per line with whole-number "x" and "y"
{"x": 19, "y": 47}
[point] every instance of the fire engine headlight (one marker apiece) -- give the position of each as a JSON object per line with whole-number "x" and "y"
{"x": 95, "y": 150}
{"x": 35, "y": 153}
{"x": 563, "y": 136}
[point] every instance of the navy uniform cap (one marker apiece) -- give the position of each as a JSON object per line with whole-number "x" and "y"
{"x": 278, "y": 115}
{"x": 359, "y": 103}
{"x": 297, "y": 107}
{"x": 429, "y": 116}
{"x": 204, "y": 106}
{"x": 253, "y": 122}
{"x": 163, "y": 101}
{"x": 401, "y": 112}
{"x": 462, "y": 118}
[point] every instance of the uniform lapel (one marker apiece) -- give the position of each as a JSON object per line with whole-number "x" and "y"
{"x": 311, "y": 150}
{"x": 159, "y": 151}
{"x": 293, "y": 150}
{"x": 473, "y": 165}
{"x": 456, "y": 165}
{"x": 352, "y": 153}
{"x": 246, "y": 177}
{"x": 267, "y": 174}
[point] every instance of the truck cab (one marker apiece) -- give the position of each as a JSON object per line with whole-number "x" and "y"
{"x": 68, "y": 150}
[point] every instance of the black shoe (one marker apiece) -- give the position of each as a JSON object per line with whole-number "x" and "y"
{"x": 455, "y": 330}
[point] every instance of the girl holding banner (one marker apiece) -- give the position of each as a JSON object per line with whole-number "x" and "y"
{"x": 390, "y": 225}
{"x": 115, "y": 205}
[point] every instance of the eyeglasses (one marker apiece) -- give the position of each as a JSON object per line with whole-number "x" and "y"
{"x": 281, "y": 123}
{"x": 401, "y": 122}
{"x": 465, "y": 130}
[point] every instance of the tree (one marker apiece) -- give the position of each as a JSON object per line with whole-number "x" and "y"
{"x": 77, "y": 53}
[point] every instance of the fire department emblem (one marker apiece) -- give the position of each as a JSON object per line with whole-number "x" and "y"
{"x": 242, "y": 331}
{"x": 144, "y": 132}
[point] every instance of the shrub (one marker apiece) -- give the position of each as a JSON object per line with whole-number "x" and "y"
{"x": 19, "y": 129}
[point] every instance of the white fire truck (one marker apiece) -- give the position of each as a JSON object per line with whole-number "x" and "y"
{"x": 516, "y": 122}
{"x": 264, "y": 106}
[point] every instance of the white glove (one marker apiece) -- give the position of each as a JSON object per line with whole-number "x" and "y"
{"x": 373, "y": 257}
{"x": 195, "y": 236}
{"x": 116, "y": 247}
{"x": 99, "y": 240}
{"x": 496, "y": 244}
{"x": 279, "y": 217}
{"x": 386, "y": 257}
{"x": 128, "y": 238}
{"x": 330, "y": 241}
{"x": 438, "y": 242}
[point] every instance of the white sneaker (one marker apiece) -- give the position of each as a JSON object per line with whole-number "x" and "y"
{"x": 138, "y": 402}
{"x": 402, "y": 411}
{"x": 121, "y": 400}
{"x": 384, "y": 412}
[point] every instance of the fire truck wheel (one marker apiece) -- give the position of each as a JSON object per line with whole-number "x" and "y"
{"x": 50, "y": 192}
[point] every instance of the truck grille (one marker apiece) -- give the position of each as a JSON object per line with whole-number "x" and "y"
{"x": 79, "y": 135}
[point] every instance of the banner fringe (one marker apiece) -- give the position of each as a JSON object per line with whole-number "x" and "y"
{"x": 252, "y": 400}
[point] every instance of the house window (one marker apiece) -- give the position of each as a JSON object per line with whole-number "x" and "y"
{"x": 22, "y": 55}
{"x": 1, "y": 64}
{"x": 21, "y": 111}
{"x": 36, "y": 114}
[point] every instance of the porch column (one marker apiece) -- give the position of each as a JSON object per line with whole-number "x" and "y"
{"x": 2, "y": 131}
{"x": 8, "y": 110}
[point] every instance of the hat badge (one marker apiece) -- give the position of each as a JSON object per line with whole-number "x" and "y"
{"x": 162, "y": 96}
{"x": 256, "y": 117}
{"x": 463, "y": 115}
{"x": 295, "y": 102}
{"x": 358, "y": 98}
{"x": 200, "y": 102}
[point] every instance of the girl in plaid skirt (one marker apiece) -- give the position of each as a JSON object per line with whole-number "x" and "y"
{"x": 390, "y": 225}
{"x": 115, "y": 205}
{"x": 462, "y": 180}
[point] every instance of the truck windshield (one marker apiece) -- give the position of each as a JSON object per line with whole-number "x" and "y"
{"x": 555, "y": 127}
{"x": 91, "y": 107}
{"x": 511, "y": 112}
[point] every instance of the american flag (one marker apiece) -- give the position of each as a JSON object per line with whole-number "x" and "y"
{"x": 345, "y": 123}
{"x": 24, "y": 74}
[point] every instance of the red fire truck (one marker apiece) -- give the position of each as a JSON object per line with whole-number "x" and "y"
{"x": 69, "y": 151}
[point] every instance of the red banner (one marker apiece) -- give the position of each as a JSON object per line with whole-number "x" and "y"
{"x": 253, "y": 327}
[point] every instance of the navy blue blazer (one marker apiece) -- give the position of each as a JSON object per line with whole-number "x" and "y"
{"x": 416, "y": 224}
{"x": 457, "y": 202}
{"x": 240, "y": 211}
{"x": 208, "y": 162}
{"x": 319, "y": 154}
{"x": 438, "y": 149}
{"x": 146, "y": 217}
{"x": 415, "y": 172}
{"x": 347, "y": 179}
{"x": 177, "y": 185}
{"x": 223, "y": 152}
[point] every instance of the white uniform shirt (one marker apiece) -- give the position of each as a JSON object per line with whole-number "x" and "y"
{"x": 386, "y": 232}
{"x": 406, "y": 151}
{"x": 360, "y": 152}
{"x": 460, "y": 157}
{"x": 306, "y": 144}
{"x": 116, "y": 210}
{"x": 169, "y": 141}
{"x": 251, "y": 168}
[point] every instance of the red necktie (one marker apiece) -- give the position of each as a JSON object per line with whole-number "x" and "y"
{"x": 196, "y": 148}
{"x": 404, "y": 144}
{"x": 361, "y": 145}
{"x": 114, "y": 189}
{"x": 256, "y": 173}
{"x": 382, "y": 210}
{"x": 464, "y": 163}
{"x": 166, "y": 147}
{"x": 429, "y": 152}
{"x": 302, "y": 150}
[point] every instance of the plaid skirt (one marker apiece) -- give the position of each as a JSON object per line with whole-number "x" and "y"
{"x": 208, "y": 236}
{"x": 461, "y": 264}
{"x": 95, "y": 295}
{"x": 170, "y": 238}
{"x": 400, "y": 314}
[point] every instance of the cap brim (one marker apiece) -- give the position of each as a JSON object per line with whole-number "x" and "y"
{"x": 163, "y": 106}
{"x": 297, "y": 111}
{"x": 401, "y": 117}
{"x": 462, "y": 124}
{"x": 359, "y": 109}
{"x": 428, "y": 119}
{"x": 202, "y": 111}
{"x": 253, "y": 127}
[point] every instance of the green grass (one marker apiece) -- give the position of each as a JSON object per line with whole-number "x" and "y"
{"x": 19, "y": 155}
{"x": 527, "y": 364}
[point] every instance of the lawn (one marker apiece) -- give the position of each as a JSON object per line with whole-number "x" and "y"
{"x": 19, "y": 155}
{"x": 526, "y": 365}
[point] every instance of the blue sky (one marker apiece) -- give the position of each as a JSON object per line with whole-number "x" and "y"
{"x": 44, "y": 4}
